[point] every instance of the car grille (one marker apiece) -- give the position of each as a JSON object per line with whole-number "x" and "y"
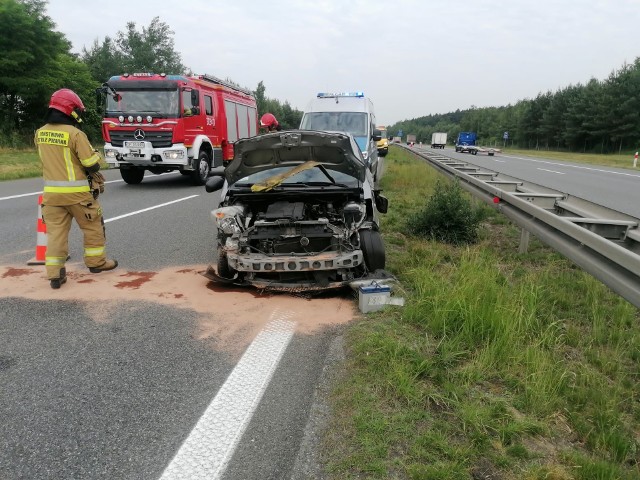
{"x": 158, "y": 139}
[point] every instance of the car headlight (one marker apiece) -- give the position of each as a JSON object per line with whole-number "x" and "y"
{"x": 228, "y": 225}
{"x": 108, "y": 153}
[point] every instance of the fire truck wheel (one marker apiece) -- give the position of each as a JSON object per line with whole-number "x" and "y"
{"x": 132, "y": 176}
{"x": 201, "y": 173}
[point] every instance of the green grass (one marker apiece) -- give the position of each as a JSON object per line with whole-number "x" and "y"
{"x": 519, "y": 366}
{"x": 15, "y": 164}
{"x": 19, "y": 164}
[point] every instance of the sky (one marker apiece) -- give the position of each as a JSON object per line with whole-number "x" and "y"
{"x": 411, "y": 58}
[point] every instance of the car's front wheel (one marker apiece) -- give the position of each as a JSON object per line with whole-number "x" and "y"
{"x": 224, "y": 270}
{"x": 372, "y": 249}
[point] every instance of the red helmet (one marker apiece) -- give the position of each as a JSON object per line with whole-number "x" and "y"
{"x": 68, "y": 102}
{"x": 268, "y": 120}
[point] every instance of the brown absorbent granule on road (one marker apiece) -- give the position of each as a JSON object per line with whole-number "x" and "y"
{"x": 230, "y": 316}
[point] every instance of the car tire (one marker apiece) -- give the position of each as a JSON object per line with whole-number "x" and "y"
{"x": 203, "y": 167}
{"x": 132, "y": 176}
{"x": 372, "y": 249}
{"x": 224, "y": 270}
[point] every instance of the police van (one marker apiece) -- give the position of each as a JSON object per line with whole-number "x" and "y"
{"x": 349, "y": 112}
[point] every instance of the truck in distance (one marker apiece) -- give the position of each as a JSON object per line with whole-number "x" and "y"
{"x": 438, "y": 140}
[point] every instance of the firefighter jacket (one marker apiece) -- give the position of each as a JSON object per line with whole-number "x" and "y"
{"x": 67, "y": 157}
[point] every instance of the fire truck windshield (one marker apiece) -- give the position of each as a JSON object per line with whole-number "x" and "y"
{"x": 156, "y": 102}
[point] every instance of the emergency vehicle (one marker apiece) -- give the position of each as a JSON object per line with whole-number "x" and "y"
{"x": 349, "y": 112}
{"x": 383, "y": 143}
{"x": 160, "y": 123}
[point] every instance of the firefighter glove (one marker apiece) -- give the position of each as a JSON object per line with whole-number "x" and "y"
{"x": 96, "y": 183}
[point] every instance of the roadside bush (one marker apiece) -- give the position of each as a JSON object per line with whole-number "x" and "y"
{"x": 448, "y": 216}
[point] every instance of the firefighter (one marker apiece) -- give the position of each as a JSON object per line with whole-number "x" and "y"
{"x": 72, "y": 184}
{"x": 269, "y": 122}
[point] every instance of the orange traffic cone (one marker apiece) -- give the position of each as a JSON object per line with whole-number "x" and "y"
{"x": 41, "y": 240}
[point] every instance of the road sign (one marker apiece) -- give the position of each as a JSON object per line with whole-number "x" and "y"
{"x": 506, "y": 135}
{"x": 399, "y": 133}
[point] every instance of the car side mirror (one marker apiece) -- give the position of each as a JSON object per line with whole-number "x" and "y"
{"x": 214, "y": 184}
{"x": 382, "y": 203}
{"x": 377, "y": 135}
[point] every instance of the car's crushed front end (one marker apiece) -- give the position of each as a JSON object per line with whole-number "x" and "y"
{"x": 298, "y": 213}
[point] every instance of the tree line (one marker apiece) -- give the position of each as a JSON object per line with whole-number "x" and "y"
{"x": 601, "y": 116}
{"x": 37, "y": 60}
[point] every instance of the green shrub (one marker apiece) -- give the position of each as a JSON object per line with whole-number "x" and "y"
{"x": 448, "y": 216}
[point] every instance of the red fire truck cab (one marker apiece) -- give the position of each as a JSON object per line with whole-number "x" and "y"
{"x": 160, "y": 123}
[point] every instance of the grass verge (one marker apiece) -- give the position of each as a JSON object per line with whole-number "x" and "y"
{"x": 16, "y": 164}
{"x": 501, "y": 365}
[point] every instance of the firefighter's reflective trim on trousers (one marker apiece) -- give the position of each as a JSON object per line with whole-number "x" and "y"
{"x": 54, "y": 261}
{"x": 55, "y": 186}
{"x": 93, "y": 251}
{"x": 91, "y": 161}
{"x": 71, "y": 174}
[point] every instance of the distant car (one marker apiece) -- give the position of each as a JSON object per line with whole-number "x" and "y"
{"x": 298, "y": 211}
{"x": 383, "y": 147}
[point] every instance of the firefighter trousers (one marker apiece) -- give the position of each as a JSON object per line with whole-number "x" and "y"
{"x": 58, "y": 220}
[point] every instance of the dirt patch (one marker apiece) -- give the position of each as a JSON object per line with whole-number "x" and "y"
{"x": 232, "y": 317}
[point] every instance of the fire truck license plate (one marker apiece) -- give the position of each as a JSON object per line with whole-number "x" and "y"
{"x": 134, "y": 144}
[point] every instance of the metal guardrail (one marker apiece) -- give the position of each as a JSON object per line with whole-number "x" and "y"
{"x": 602, "y": 241}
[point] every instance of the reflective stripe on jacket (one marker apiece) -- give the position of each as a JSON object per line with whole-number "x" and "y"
{"x": 65, "y": 153}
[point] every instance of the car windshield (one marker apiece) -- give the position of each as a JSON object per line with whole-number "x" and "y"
{"x": 159, "y": 102}
{"x": 354, "y": 123}
{"x": 310, "y": 176}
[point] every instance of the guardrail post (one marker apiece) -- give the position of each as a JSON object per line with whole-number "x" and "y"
{"x": 524, "y": 241}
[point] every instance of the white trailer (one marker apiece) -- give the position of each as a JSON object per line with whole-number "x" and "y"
{"x": 438, "y": 140}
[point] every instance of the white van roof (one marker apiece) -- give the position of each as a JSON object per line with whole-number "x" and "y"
{"x": 340, "y": 102}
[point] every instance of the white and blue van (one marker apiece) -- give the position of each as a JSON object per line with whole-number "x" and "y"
{"x": 349, "y": 112}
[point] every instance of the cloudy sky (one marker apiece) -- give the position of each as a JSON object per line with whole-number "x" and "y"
{"x": 412, "y": 58}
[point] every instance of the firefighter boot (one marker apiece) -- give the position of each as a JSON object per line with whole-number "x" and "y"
{"x": 107, "y": 265}
{"x": 57, "y": 282}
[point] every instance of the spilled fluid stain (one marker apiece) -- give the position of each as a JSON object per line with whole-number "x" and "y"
{"x": 228, "y": 314}
{"x": 18, "y": 272}
{"x": 139, "y": 279}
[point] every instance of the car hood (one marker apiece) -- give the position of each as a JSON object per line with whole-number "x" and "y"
{"x": 336, "y": 151}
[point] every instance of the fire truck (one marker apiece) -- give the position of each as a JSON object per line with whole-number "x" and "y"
{"x": 161, "y": 123}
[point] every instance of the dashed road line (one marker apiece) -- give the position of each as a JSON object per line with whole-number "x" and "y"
{"x": 211, "y": 444}
{"x": 552, "y": 171}
{"x": 149, "y": 208}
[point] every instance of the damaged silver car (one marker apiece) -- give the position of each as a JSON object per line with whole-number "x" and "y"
{"x": 298, "y": 212}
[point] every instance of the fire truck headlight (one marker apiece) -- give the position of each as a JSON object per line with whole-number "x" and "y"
{"x": 139, "y": 119}
{"x": 173, "y": 154}
{"x": 121, "y": 118}
{"x": 149, "y": 119}
{"x": 130, "y": 118}
{"x": 108, "y": 153}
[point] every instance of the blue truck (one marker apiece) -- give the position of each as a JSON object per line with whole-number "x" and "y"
{"x": 466, "y": 140}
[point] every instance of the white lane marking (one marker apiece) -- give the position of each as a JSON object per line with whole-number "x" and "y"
{"x": 552, "y": 171}
{"x": 149, "y": 208}
{"x": 574, "y": 166}
{"x": 212, "y": 442}
{"x": 500, "y": 161}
